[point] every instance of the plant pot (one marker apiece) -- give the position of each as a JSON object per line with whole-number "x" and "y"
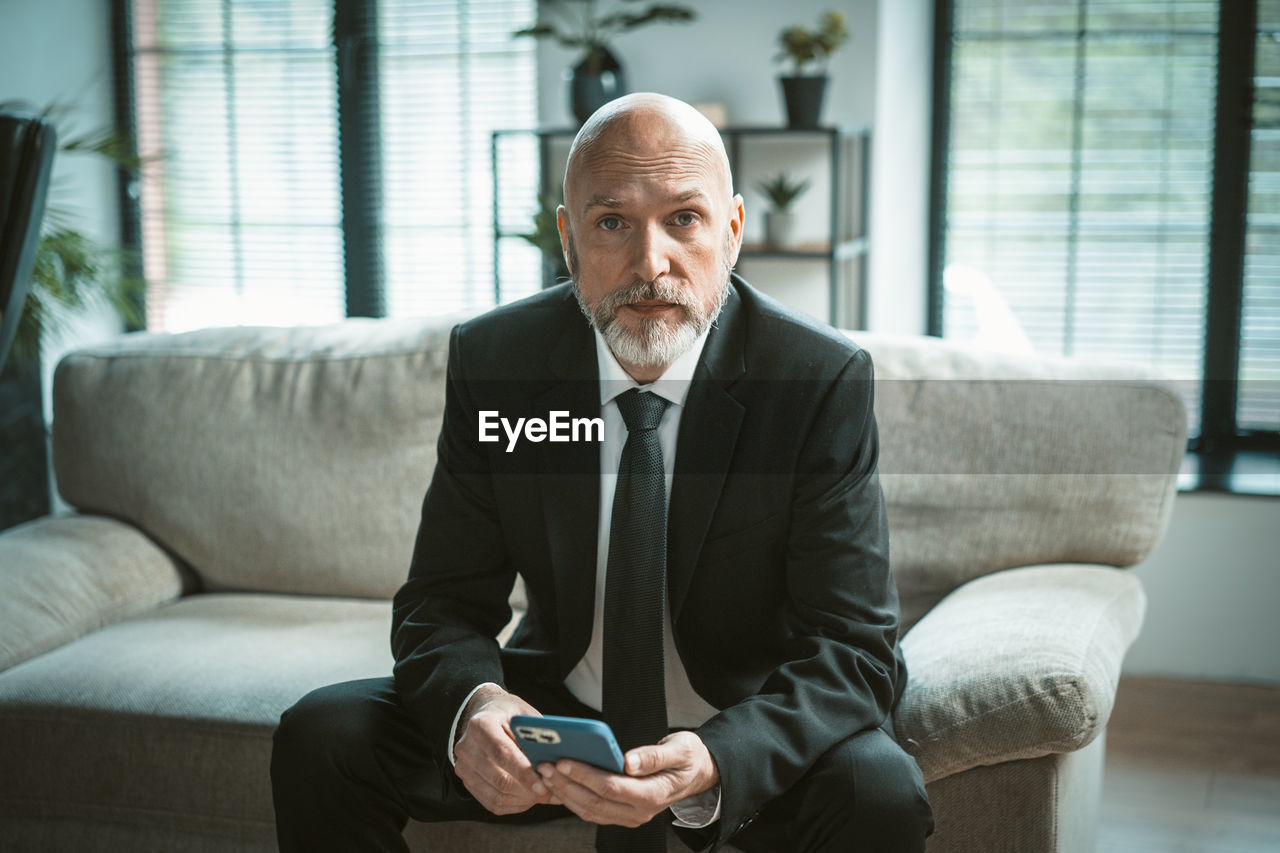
{"x": 779, "y": 229}
{"x": 592, "y": 84}
{"x": 803, "y": 98}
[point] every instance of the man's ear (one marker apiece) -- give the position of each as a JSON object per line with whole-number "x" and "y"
{"x": 737, "y": 222}
{"x": 562, "y": 225}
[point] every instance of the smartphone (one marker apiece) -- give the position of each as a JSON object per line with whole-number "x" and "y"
{"x": 553, "y": 738}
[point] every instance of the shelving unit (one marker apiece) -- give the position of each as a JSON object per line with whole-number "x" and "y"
{"x": 847, "y": 167}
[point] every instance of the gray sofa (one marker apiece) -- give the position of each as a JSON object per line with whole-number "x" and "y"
{"x": 246, "y": 501}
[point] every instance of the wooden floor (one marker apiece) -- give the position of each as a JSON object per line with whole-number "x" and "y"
{"x": 1192, "y": 767}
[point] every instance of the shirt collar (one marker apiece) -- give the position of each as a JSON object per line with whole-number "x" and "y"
{"x": 672, "y": 385}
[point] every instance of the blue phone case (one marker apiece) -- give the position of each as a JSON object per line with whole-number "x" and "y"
{"x": 553, "y": 738}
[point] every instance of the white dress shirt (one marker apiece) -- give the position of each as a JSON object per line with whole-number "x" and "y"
{"x": 685, "y": 708}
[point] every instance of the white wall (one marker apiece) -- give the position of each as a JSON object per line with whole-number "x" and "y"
{"x": 899, "y": 216}
{"x": 727, "y": 56}
{"x": 1213, "y": 588}
{"x": 60, "y": 51}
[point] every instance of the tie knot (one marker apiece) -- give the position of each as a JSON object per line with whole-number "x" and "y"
{"x": 641, "y": 410}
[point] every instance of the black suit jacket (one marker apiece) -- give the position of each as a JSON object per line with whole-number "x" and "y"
{"x": 783, "y": 607}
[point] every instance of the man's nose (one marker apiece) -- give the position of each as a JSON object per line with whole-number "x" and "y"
{"x": 651, "y": 253}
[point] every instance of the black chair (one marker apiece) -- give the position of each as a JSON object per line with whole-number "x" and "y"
{"x": 27, "y": 144}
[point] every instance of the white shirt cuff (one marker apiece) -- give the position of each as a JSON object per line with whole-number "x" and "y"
{"x": 699, "y": 810}
{"x": 453, "y": 730}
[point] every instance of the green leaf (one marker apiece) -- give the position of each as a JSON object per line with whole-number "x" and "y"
{"x": 540, "y": 31}
{"x": 106, "y": 143}
{"x": 587, "y": 30}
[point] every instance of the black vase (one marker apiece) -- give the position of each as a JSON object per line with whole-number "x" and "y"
{"x": 803, "y": 97}
{"x": 594, "y": 82}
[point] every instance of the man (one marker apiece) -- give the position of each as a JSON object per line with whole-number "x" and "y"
{"x": 711, "y": 578}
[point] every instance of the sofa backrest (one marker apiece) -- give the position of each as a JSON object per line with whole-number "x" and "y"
{"x": 991, "y": 461}
{"x": 271, "y": 459}
{"x": 295, "y": 460}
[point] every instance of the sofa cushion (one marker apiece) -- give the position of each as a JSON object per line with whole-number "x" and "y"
{"x": 166, "y": 719}
{"x": 281, "y": 460}
{"x": 991, "y": 461}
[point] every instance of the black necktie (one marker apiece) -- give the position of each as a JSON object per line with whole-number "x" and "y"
{"x": 633, "y": 693}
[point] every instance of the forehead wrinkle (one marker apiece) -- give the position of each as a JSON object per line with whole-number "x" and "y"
{"x": 613, "y": 202}
{"x": 603, "y": 157}
{"x": 605, "y": 171}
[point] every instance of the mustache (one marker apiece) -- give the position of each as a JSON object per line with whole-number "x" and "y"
{"x": 659, "y": 289}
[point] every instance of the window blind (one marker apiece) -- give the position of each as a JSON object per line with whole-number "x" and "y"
{"x": 237, "y": 122}
{"x": 451, "y": 73}
{"x": 1258, "y": 400}
{"x": 1078, "y": 180}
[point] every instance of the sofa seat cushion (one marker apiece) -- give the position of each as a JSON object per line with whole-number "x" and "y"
{"x": 166, "y": 719}
{"x": 157, "y": 731}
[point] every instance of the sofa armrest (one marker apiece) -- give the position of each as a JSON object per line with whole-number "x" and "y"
{"x": 63, "y": 577}
{"x": 1017, "y": 664}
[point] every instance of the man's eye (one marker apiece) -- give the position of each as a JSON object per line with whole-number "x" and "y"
{"x": 685, "y": 219}
{"x": 611, "y": 223}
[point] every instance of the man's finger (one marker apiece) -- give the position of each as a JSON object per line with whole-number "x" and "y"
{"x": 647, "y": 760}
{"x": 610, "y": 786}
{"x": 502, "y": 778}
{"x": 494, "y": 747}
{"x": 488, "y": 796}
{"x": 590, "y": 805}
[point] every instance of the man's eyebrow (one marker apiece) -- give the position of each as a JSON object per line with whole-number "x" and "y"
{"x": 602, "y": 201}
{"x": 691, "y": 194}
{"x": 615, "y": 203}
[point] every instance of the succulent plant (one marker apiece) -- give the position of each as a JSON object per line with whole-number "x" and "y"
{"x": 782, "y": 191}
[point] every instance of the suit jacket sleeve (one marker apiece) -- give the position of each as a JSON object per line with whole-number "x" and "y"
{"x": 841, "y": 666}
{"x": 447, "y": 615}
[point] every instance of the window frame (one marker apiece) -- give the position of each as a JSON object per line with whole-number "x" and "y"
{"x": 1220, "y": 443}
{"x": 361, "y": 157}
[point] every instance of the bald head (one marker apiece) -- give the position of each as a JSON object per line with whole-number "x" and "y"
{"x": 645, "y": 131}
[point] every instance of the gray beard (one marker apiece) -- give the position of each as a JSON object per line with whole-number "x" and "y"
{"x": 654, "y": 342}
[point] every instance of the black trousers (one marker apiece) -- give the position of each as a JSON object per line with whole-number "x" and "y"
{"x": 349, "y": 767}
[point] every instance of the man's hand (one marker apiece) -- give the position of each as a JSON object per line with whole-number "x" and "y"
{"x": 679, "y": 766}
{"x": 489, "y": 762}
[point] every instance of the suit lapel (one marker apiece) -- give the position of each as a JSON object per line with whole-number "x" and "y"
{"x": 708, "y": 434}
{"x": 569, "y": 487}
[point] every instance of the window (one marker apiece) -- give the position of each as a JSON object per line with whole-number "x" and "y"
{"x": 1074, "y": 211}
{"x": 1259, "y": 398}
{"x": 307, "y": 160}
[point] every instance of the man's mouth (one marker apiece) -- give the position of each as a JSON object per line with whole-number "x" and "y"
{"x": 650, "y": 306}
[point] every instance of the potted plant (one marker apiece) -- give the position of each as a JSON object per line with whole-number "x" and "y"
{"x": 808, "y": 51}
{"x": 597, "y": 78}
{"x": 779, "y": 221}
